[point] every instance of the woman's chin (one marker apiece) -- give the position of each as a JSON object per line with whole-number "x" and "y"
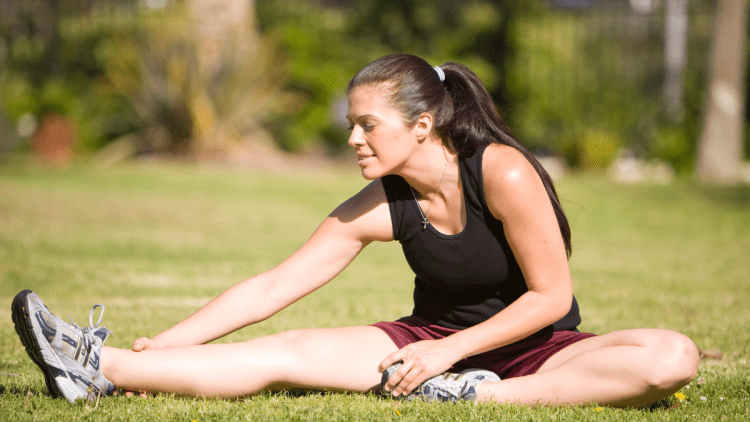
{"x": 367, "y": 176}
{"x": 371, "y": 174}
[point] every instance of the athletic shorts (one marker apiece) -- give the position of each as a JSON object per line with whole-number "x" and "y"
{"x": 524, "y": 357}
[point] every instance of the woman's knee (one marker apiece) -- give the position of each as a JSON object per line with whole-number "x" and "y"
{"x": 290, "y": 343}
{"x": 674, "y": 360}
{"x": 302, "y": 346}
{"x": 305, "y": 358}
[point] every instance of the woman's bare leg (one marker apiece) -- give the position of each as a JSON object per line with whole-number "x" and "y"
{"x": 331, "y": 358}
{"x": 631, "y": 368}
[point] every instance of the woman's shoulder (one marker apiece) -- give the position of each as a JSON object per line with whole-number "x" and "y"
{"x": 365, "y": 200}
{"x": 509, "y": 179}
{"x": 504, "y": 165}
{"x": 366, "y": 213}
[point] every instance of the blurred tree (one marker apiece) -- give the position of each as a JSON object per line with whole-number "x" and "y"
{"x": 326, "y": 45}
{"x": 150, "y": 76}
{"x": 200, "y": 79}
{"x": 474, "y": 31}
{"x": 196, "y": 77}
{"x": 218, "y": 24}
{"x": 589, "y": 80}
{"x": 52, "y": 57}
{"x": 317, "y": 57}
{"x": 720, "y": 148}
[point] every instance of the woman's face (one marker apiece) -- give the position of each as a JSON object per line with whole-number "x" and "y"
{"x": 379, "y": 135}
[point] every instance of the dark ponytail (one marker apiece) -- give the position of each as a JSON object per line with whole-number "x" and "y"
{"x": 476, "y": 122}
{"x": 464, "y": 113}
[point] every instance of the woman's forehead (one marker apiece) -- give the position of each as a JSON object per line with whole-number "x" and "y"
{"x": 366, "y": 97}
{"x": 369, "y": 90}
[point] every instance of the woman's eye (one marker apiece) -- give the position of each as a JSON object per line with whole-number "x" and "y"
{"x": 365, "y": 128}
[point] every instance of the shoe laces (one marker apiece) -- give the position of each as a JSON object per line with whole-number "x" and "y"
{"x": 91, "y": 328}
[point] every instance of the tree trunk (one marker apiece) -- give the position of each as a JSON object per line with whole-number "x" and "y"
{"x": 218, "y": 24}
{"x": 720, "y": 147}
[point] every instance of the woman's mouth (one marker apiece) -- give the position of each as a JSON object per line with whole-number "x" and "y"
{"x": 363, "y": 157}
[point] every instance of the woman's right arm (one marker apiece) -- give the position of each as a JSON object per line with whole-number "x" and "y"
{"x": 334, "y": 244}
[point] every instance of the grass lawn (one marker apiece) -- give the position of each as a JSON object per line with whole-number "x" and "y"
{"x": 154, "y": 242}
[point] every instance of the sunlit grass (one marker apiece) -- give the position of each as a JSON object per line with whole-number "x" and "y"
{"x": 153, "y": 243}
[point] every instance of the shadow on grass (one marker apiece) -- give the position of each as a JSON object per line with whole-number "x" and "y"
{"x": 299, "y": 393}
{"x": 663, "y": 404}
{"x": 283, "y": 394}
{"x": 733, "y": 196}
{"x": 23, "y": 391}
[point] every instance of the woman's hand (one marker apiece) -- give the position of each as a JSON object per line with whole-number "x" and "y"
{"x": 421, "y": 360}
{"x": 145, "y": 343}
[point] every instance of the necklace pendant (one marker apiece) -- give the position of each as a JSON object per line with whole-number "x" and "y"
{"x": 424, "y": 224}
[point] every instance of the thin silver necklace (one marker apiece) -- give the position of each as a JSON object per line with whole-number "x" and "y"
{"x": 425, "y": 220}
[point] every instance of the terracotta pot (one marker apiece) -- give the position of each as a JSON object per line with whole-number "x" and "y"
{"x": 53, "y": 140}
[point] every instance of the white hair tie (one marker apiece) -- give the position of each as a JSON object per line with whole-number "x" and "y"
{"x": 440, "y": 73}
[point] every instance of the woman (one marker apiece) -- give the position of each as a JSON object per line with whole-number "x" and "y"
{"x": 480, "y": 225}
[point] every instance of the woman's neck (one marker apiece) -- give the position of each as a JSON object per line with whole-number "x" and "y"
{"x": 433, "y": 170}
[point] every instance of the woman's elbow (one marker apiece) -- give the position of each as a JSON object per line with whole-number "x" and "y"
{"x": 559, "y": 305}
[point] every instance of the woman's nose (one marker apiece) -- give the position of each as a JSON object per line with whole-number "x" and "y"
{"x": 355, "y": 138}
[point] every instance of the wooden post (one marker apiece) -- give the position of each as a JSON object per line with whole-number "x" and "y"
{"x": 720, "y": 146}
{"x": 675, "y": 56}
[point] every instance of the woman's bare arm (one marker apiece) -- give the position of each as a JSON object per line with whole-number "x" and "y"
{"x": 334, "y": 244}
{"x": 516, "y": 196}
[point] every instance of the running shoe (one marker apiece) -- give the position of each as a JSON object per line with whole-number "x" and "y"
{"x": 448, "y": 387}
{"x": 67, "y": 354}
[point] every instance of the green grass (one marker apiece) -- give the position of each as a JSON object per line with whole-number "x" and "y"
{"x": 154, "y": 242}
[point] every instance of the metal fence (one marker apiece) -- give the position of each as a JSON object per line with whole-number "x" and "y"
{"x": 611, "y": 70}
{"x": 614, "y": 71}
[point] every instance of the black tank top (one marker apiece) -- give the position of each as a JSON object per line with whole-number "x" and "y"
{"x": 466, "y": 278}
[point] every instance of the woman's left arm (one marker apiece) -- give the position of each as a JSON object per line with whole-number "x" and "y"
{"x": 516, "y": 196}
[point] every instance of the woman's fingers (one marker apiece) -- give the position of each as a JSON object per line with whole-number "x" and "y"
{"x": 144, "y": 343}
{"x": 420, "y": 361}
{"x": 415, "y": 383}
{"x": 128, "y": 393}
{"x": 140, "y": 344}
{"x": 391, "y": 359}
{"x": 133, "y": 394}
{"x": 406, "y": 378}
{"x": 415, "y": 376}
{"x": 396, "y": 376}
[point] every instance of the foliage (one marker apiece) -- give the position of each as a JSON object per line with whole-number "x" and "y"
{"x": 134, "y": 75}
{"x": 325, "y": 46}
{"x": 153, "y": 243}
{"x": 676, "y": 141}
{"x": 560, "y": 78}
{"x": 52, "y": 62}
{"x": 747, "y": 99}
{"x": 185, "y": 104}
{"x": 318, "y": 59}
{"x": 600, "y": 71}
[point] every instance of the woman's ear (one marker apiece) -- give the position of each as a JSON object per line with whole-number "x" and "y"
{"x": 423, "y": 126}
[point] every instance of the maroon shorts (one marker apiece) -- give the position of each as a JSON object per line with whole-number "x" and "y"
{"x": 524, "y": 357}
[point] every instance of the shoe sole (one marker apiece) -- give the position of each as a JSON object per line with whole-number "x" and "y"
{"x": 56, "y": 379}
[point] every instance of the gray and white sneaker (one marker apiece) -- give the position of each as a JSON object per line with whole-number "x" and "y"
{"x": 448, "y": 387}
{"x": 67, "y": 354}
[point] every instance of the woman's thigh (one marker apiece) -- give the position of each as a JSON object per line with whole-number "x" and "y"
{"x": 658, "y": 340}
